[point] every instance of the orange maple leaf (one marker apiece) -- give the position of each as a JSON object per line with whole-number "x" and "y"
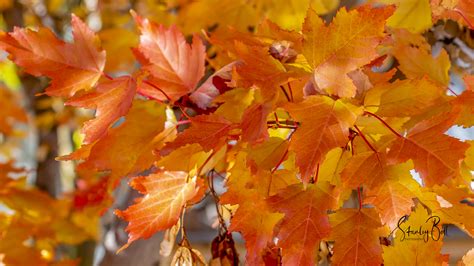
{"x": 324, "y": 125}
{"x": 166, "y": 194}
{"x": 112, "y": 99}
{"x": 416, "y": 251}
{"x": 356, "y": 234}
{"x": 305, "y": 222}
{"x": 345, "y": 45}
{"x": 255, "y": 227}
{"x": 393, "y": 198}
{"x": 175, "y": 67}
{"x": 254, "y": 122}
{"x": 128, "y": 148}
{"x": 71, "y": 66}
{"x": 436, "y": 156}
{"x": 207, "y": 130}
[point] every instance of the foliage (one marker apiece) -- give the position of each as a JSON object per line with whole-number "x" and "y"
{"x": 295, "y": 114}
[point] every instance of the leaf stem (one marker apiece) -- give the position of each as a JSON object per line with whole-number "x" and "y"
{"x": 210, "y": 181}
{"x": 156, "y": 87}
{"x": 365, "y": 139}
{"x": 184, "y": 238}
{"x": 383, "y": 122}
{"x": 107, "y": 76}
{"x": 291, "y": 92}
{"x": 315, "y": 179}
{"x": 286, "y": 93}
{"x": 205, "y": 162}
{"x": 360, "y": 197}
{"x": 464, "y": 17}
{"x": 285, "y": 122}
{"x": 183, "y": 122}
{"x": 183, "y": 111}
{"x": 282, "y": 159}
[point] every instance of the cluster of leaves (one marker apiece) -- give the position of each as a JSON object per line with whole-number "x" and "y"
{"x": 32, "y": 223}
{"x": 294, "y": 121}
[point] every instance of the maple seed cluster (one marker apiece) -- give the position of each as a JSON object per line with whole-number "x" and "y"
{"x": 293, "y": 122}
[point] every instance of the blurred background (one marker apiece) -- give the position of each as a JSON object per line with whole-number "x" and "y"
{"x": 35, "y": 129}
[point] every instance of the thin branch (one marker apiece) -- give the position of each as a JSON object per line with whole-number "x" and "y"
{"x": 184, "y": 237}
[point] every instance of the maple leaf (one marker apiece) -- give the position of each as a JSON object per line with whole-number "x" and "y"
{"x": 296, "y": 9}
{"x": 356, "y": 234}
{"x": 194, "y": 154}
{"x": 166, "y": 194}
{"x": 133, "y": 137}
{"x": 254, "y": 122}
{"x": 465, "y": 104}
{"x": 393, "y": 198}
{"x": 305, "y": 222}
{"x": 410, "y": 97}
{"x": 256, "y": 227}
{"x": 414, "y": 15}
{"x": 416, "y": 60}
{"x": 207, "y": 130}
{"x": 451, "y": 204}
{"x": 334, "y": 162}
{"x": 266, "y": 155}
{"x": 324, "y": 125}
{"x": 436, "y": 156}
{"x": 249, "y": 192}
{"x": 259, "y": 68}
{"x": 239, "y": 177}
{"x": 385, "y": 189}
{"x": 207, "y": 13}
{"x": 368, "y": 168}
{"x": 118, "y": 46}
{"x": 207, "y": 92}
{"x": 112, "y": 100}
{"x": 348, "y": 43}
{"x": 234, "y": 103}
{"x": 175, "y": 66}
{"x": 71, "y": 66}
